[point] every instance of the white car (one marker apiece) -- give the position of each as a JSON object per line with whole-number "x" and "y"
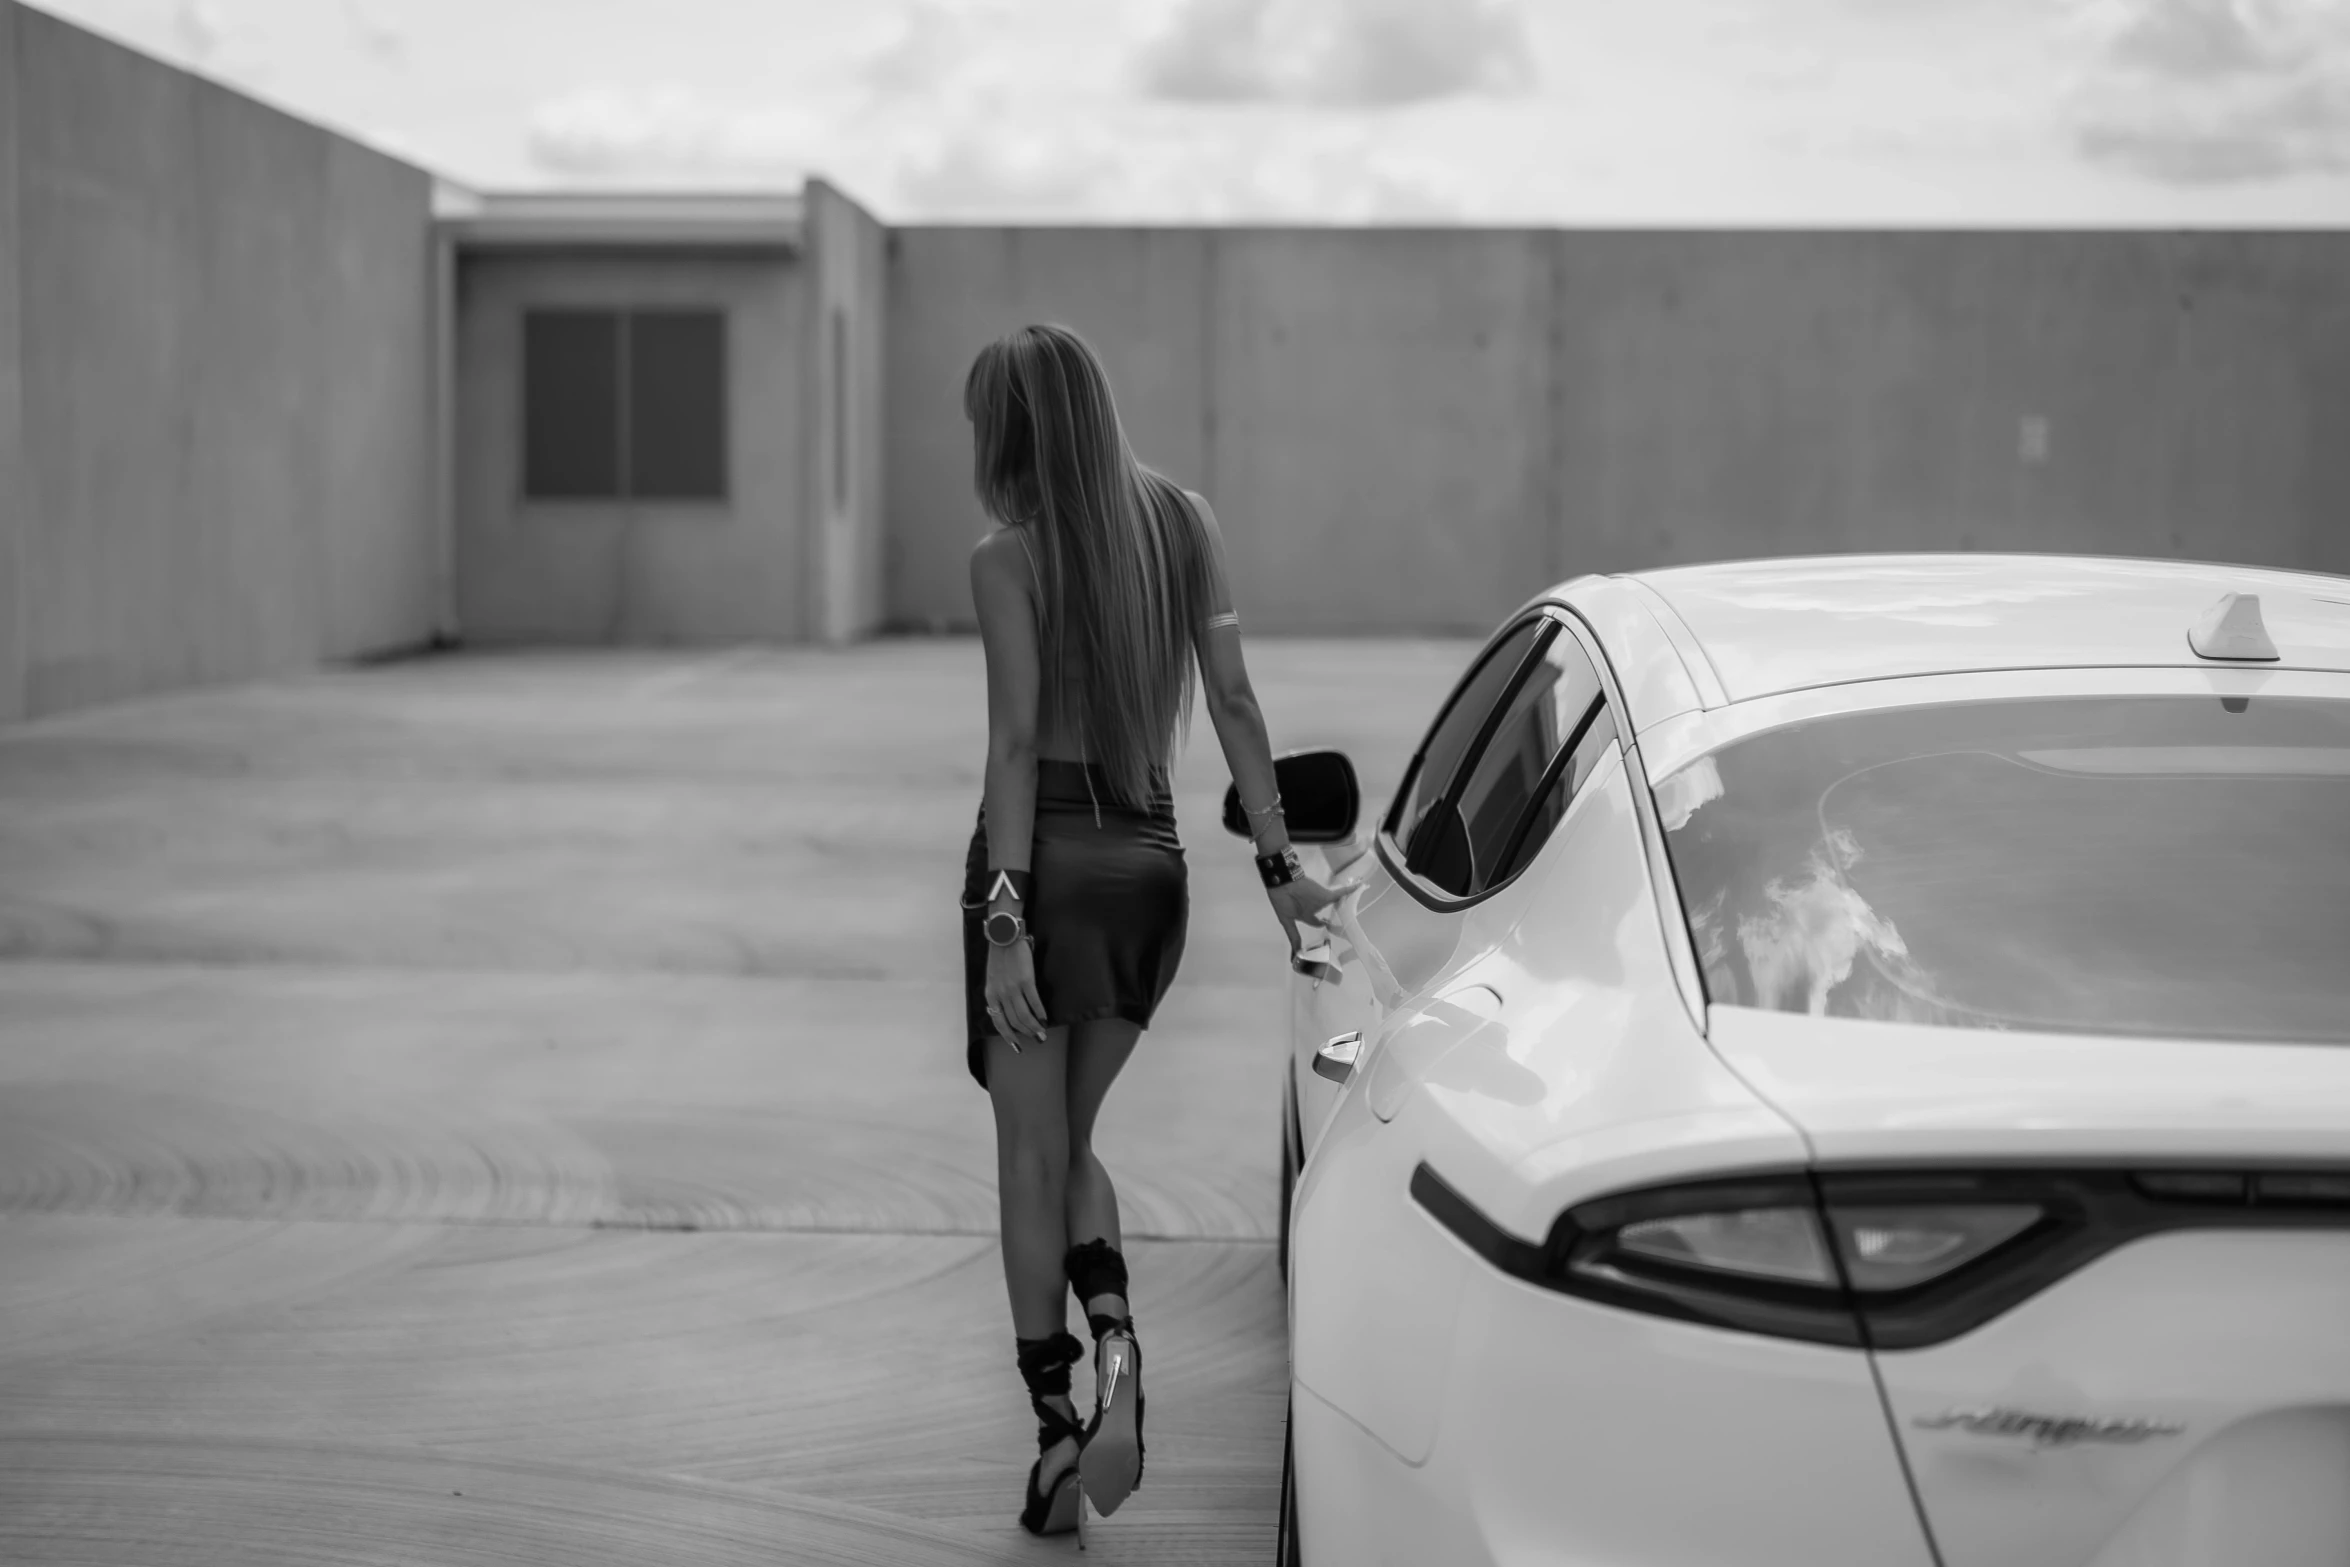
{"x": 1838, "y": 1063}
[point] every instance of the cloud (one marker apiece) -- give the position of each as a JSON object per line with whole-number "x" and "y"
{"x": 1350, "y": 181}
{"x": 199, "y": 28}
{"x": 665, "y": 130}
{"x": 925, "y": 51}
{"x": 2205, "y": 92}
{"x": 1268, "y": 169}
{"x": 377, "y": 33}
{"x": 1346, "y": 53}
{"x": 974, "y": 174}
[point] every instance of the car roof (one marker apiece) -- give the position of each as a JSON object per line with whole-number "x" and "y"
{"x": 1746, "y": 629}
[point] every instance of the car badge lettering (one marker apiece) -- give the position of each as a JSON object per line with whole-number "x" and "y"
{"x": 2047, "y": 1430}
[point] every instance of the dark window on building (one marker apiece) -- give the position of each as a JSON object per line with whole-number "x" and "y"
{"x": 624, "y": 405}
{"x": 571, "y": 404}
{"x": 677, "y": 405}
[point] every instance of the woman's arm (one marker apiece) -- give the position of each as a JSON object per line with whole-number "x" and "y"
{"x": 1240, "y": 728}
{"x": 1007, "y": 630}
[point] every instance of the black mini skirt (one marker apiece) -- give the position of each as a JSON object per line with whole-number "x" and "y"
{"x": 1109, "y": 902}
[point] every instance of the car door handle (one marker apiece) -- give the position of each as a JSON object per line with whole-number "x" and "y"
{"x": 1316, "y": 964}
{"x": 1336, "y": 1060}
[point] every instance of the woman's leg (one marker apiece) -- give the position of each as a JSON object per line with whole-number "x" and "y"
{"x": 1112, "y": 1461}
{"x": 1029, "y": 1088}
{"x": 1098, "y": 1051}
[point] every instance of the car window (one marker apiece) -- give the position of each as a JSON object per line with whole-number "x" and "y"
{"x": 2137, "y": 865}
{"x": 1568, "y": 773}
{"x": 1462, "y": 720}
{"x": 1509, "y": 775}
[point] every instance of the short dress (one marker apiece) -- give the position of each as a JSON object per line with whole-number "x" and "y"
{"x": 1109, "y": 901}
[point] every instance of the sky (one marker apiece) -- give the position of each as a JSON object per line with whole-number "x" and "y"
{"x": 2188, "y": 113}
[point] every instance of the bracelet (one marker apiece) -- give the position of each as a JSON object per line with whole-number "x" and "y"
{"x": 1265, "y": 810}
{"x": 1017, "y": 883}
{"x": 1280, "y": 868}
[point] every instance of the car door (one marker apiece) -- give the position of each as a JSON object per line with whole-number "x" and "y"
{"x": 1375, "y": 1349}
{"x": 1467, "y": 817}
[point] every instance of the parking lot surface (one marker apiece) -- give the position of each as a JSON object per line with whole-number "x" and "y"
{"x": 510, "y": 1108}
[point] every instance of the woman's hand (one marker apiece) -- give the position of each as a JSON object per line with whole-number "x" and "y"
{"x": 1300, "y": 902}
{"x": 1013, "y": 1004}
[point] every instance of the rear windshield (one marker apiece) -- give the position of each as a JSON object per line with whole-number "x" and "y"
{"x": 2143, "y": 865}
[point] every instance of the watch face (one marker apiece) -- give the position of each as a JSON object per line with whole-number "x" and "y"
{"x": 1003, "y": 929}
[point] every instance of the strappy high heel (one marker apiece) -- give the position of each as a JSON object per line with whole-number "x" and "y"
{"x": 1044, "y": 1366}
{"x": 1111, "y": 1459}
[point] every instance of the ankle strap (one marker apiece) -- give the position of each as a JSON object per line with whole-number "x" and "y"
{"x": 1095, "y": 1269}
{"x": 1045, "y": 1363}
{"x": 1053, "y": 1426}
{"x": 1044, "y": 1366}
{"x": 1101, "y": 1322}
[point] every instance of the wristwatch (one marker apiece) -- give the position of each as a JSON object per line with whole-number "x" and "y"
{"x": 1014, "y": 928}
{"x": 1279, "y": 869}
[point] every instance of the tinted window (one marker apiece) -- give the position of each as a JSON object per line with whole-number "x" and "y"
{"x": 1509, "y": 775}
{"x": 2145, "y": 865}
{"x": 677, "y": 404}
{"x": 1440, "y": 754}
{"x": 571, "y": 404}
{"x": 1568, "y": 773}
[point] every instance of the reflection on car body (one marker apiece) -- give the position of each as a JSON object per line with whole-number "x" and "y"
{"x": 1811, "y": 1023}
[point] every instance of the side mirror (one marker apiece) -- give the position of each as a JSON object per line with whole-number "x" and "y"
{"x": 1319, "y": 798}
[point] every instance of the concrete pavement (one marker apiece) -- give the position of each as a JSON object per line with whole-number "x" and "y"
{"x": 511, "y": 1109}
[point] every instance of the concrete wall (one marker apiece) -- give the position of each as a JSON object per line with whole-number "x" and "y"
{"x": 1410, "y": 431}
{"x": 635, "y": 571}
{"x": 847, "y": 258}
{"x": 221, "y": 341}
{"x": 12, "y": 521}
{"x": 1140, "y": 296}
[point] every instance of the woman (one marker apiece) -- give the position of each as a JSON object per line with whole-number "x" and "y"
{"x": 1102, "y": 587}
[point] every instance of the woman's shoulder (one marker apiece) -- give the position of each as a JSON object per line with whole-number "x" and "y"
{"x": 1000, "y": 549}
{"x": 1205, "y": 513}
{"x": 1001, "y": 567}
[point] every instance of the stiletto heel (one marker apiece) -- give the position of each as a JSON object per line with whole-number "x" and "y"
{"x": 1111, "y": 1459}
{"x": 1044, "y": 1366}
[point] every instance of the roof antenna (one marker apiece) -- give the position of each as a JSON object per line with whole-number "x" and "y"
{"x": 2232, "y": 629}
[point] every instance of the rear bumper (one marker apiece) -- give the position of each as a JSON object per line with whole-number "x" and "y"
{"x": 1576, "y": 1433}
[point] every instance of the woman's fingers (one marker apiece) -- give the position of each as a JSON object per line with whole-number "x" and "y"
{"x": 996, "y": 1015}
{"x": 1017, "y": 1011}
{"x": 1032, "y": 1008}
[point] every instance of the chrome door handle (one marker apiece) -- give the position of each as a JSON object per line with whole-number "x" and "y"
{"x": 1336, "y": 1060}
{"x": 1316, "y": 964}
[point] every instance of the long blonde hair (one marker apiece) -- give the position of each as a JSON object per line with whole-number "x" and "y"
{"x": 1123, "y": 560}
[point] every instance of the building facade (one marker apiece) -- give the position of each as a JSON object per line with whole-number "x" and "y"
{"x": 663, "y": 417}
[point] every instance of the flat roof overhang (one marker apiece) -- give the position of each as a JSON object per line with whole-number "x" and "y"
{"x": 629, "y": 220}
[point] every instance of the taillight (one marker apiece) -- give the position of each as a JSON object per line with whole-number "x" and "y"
{"x": 1880, "y": 1249}
{"x": 1770, "y": 1256}
{"x": 1762, "y": 1243}
{"x": 1886, "y": 1249}
{"x": 1895, "y": 1259}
